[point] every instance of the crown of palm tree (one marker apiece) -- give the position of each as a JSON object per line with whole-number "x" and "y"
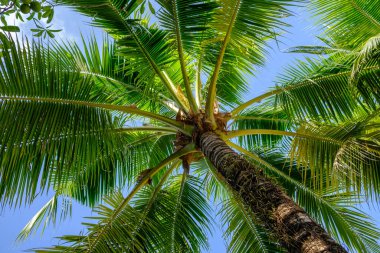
{"x": 89, "y": 121}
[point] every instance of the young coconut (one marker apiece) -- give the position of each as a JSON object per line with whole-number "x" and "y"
{"x": 35, "y": 6}
{"x": 24, "y": 8}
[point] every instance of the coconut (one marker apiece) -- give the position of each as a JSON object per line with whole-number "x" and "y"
{"x": 24, "y": 8}
{"x": 35, "y": 6}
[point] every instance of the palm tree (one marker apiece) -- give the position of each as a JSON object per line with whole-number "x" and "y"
{"x": 161, "y": 108}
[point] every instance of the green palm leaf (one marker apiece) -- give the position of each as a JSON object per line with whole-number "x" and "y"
{"x": 344, "y": 15}
{"x": 149, "y": 223}
{"x": 264, "y": 117}
{"x": 104, "y": 65}
{"x": 47, "y": 214}
{"x": 36, "y": 134}
{"x": 190, "y": 18}
{"x": 146, "y": 46}
{"x": 351, "y": 156}
{"x": 48, "y": 131}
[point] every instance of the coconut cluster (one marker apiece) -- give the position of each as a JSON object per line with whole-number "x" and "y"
{"x": 29, "y": 5}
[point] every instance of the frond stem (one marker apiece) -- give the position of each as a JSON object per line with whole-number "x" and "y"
{"x": 185, "y": 174}
{"x": 186, "y": 81}
{"x": 146, "y": 129}
{"x": 238, "y": 117}
{"x": 237, "y": 133}
{"x": 186, "y": 129}
{"x": 198, "y": 83}
{"x": 211, "y": 94}
{"x": 186, "y": 150}
{"x": 289, "y": 88}
{"x": 150, "y": 60}
{"x": 155, "y": 193}
{"x": 163, "y": 99}
{"x": 364, "y": 13}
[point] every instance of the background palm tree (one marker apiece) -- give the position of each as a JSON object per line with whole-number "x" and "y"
{"x": 88, "y": 120}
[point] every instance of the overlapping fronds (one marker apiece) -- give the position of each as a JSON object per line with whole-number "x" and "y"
{"x": 84, "y": 120}
{"x": 365, "y": 75}
{"x": 90, "y": 187}
{"x": 117, "y": 238}
{"x": 208, "y": 175}
{"x": 314, "y": 89}
{"x": 174, "y": 218}
{"x": 232, "y": 76}
{"x": 368, "y": 53}
{"x": 263, "y": 117}
{"x": 241, "y": 31}
{"x": 37, "y": 137}
{"x": 100, "y": 61}
{"x": 188, "y": 219}
{"x": 194, "y": 25}
{"x": 148, "y": 48}
{"x": 188, "y": 21}
{"x": 342, "y": 17}
{"x": 52, "y": 130}
{"x": 318, "y": 90}
{"x": 149, "y": 51}
{"x": 347, "y": 155}
{"x": 134, "y": 156}
{"x": 253, "y": 22}
{"x": 325, "y": 148}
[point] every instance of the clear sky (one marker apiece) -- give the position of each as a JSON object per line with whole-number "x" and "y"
{"x": 12, "y": 221}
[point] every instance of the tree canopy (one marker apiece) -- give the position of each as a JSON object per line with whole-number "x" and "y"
{"x": 114, "y": 125}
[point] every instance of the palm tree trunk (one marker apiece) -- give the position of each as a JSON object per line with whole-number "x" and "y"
{"x": 288, "y": 222}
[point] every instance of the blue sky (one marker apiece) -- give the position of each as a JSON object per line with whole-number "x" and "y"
{"x": 12, "y": 221}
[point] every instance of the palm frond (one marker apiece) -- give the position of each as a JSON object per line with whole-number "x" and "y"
{"x": 244, "y": 30}
{"x": 105, "y": 66}
{"x": 190, "y": 220}
{"x": 31, "y": 131}
{"x": 263, "y": 117}
{"x": 318, "y": 90}
{"x": 118, "y": 238}
{"x": 191, "y": 18}
{"x": 147, "y": 47}
{"x": 255, "y": 22}
{"x": 364, "y": 76}
{"x": 342, "y": 16}
{"x": 46, "y": 215}
{"x": 205, "y": 171}
{"x": 368, "y": 52}
{"x": 55, "y": 123}
{"x": 127, "y": 161}
{"x": 328, "y": 96}
{"x": 354, "y": 162}
{"x": 147, "y": 224}
{"x": 187, "y": 22}
{"x": 232, "y": 80}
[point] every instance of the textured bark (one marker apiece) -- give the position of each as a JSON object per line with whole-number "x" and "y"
{"x": 288, "y": 222}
